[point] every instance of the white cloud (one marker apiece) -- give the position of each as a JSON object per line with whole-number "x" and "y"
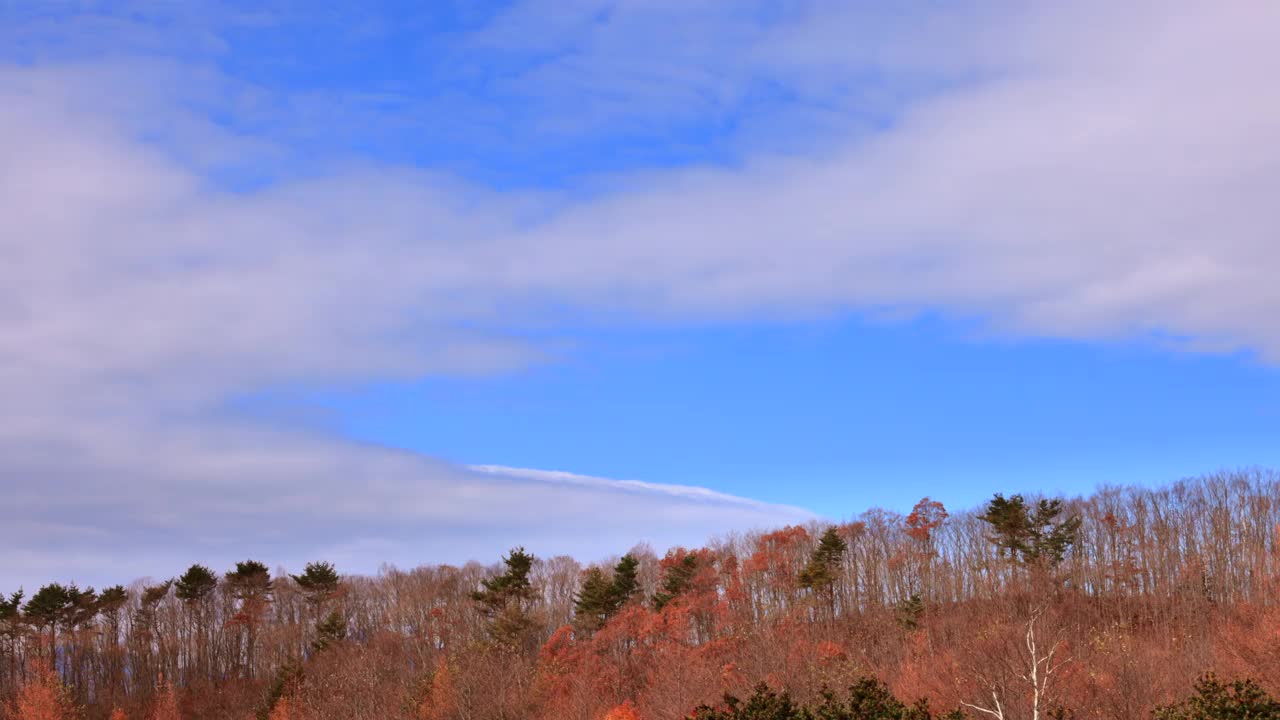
{"x": 1100, "y": 172}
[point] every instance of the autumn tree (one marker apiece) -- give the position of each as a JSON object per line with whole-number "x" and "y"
{"x": 625, "y": 711}
{"x": 165, "y": 704}
{"x": 43, "y": 697}
{"x": 1028, "y": 674}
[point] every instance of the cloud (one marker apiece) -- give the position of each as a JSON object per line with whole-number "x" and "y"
{"x": 1088, "y": 173}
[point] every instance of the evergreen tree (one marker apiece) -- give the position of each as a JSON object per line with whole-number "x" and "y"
{"x": 1033, "y": 536}
{"x": 113, "y": 599}
{"x": 196, "y": 584}
{"x": 592, "y": 603}
{"x": 251, "y": 584}
{"x": 10, "y": 631}
{"x": 329, "y": 631}
{"x": 319, "y": 581}
{"x": 505, "y": 599}
{"x": 869, "y": 699}
{"x": 676, "y": 579}
{"x": 909, "y": 612}
{"x": 820, "y": 573}
{"x": 194, "y": 588}
{"x": 765, "y": 704}
{"x": 600, "y": 598}
{"x": 50, "y": 607}
{"x": 626, "y": 584}
{"x": 288, "y": 677}
{"x": 1216, "y": 700}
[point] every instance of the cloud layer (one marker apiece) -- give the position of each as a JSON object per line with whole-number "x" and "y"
{"x": 1088, "y": 173}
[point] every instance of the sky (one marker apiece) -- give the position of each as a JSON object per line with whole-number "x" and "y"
{"x": 403, "y": 283}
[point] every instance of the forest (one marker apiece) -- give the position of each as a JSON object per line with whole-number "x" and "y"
{"x": 1133, "y": 602}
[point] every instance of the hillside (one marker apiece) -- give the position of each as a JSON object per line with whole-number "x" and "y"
{"x": 1108, "y": 606}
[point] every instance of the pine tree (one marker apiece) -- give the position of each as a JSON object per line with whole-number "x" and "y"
{"x": 251, "y": 584}
{"x": 1031, "y": 536}
{"x": 677, "y": 578}
{"x": 820, "y": 573}
{"x": 505, "y": 599}
{"x": 319, "y": 581}
{"x": 330, "y": 631}
{"x": 288, "y": 677}
{"x": 1216, "y": 700}
{"x": 625, "y": 585}
{"x": 49, "y": 607}
{"x": 592, "y": 603}
{"x": 196, "y": 584}
{"x": 194, "y": 588}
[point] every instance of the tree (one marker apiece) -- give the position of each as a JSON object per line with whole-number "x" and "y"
{"x": 868, "y": 699}
{"x": 600, "y": 598}
{"x": 196, "y": 584}
{"x": 592, "y": 603}
{"x": 43, "y": 697}
{"x": 1033, "y": 673}
{"x": 319, "y": 582}
{"x": 251, "y": 584}
{"x": 194, "y": 588}
{"x": 11, "y": 631}
{"x": 1034, "y": 536}
{"x": 680, "y": 566}
{"x": 52, "y": 605}
{"x": 165, "y": 705}
{"x": 505, "y": 600}
{"x": 1215, "y": 700}
{"x": 765, "y": 704}
{"x": 626, "y": 584}
{"x": 330, "y": 631}
{"x": 625, "y": 711}
{"x": 287, "y": 679}
{"x": 819, "y": 574}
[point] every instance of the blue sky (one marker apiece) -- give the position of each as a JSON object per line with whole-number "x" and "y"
{"x": 728, "y": 265}
{"x": 841, "y": 416}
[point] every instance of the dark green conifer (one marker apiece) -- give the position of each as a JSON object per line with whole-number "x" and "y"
{"x": 676, "y": 579}
{"x": 1033, "y": 536}
{"x": 626, "y": 584}
{"x": 820, "y": 572}
{"x": 319, "y": 581}
{"x": 330, "y": 631}
{"x": 196, "y": 584}
{"x": 1216, "y": 700}
{"x": 592, "y": 602}
{"x": 505, "y": 599}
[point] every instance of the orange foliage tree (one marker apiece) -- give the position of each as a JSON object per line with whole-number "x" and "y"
{"x": 42, "y": 697}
